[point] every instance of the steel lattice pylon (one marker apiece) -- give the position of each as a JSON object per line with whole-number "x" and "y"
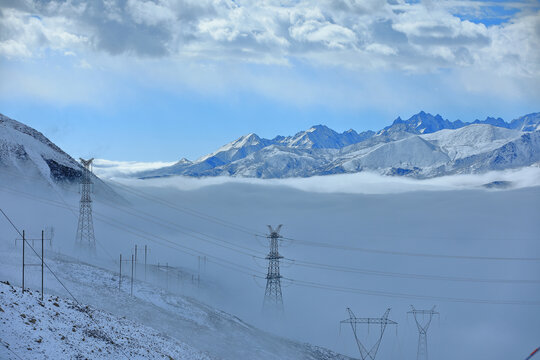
{"x": 423, "y": 327}
{"x": 85, "y": 229}
{"x": 272, "y": 296}
{"x": 382, "y": 321}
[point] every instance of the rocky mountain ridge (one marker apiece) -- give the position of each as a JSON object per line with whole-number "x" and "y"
{"x": 422, "y": 146}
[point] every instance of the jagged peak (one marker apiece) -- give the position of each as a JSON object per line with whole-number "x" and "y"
{"x": 319, "y": 128}
{"x": 184, "y": 161}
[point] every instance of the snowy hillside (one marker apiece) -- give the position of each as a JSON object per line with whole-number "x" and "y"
{"x": 156, "y": 318}
{"x": 26, "y": 152}
{"x": 23, "y": 148}
{"x": 422, "y": 146}
{"x": 62, "y": 329}
{"x": 471, "y": 140}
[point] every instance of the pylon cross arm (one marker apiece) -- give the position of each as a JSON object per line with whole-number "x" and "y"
{"x": 369, "y": 321}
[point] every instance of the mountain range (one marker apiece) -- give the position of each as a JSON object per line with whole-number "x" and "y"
{"x": 422, "y": 146}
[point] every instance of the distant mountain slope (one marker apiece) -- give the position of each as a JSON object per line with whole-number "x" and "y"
{"x": 322, "y": 137}
{"x": 422, "y": 146}
{"x": 472, "y": 139}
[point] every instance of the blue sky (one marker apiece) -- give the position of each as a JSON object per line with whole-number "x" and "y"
{"x": 160, "y": 80}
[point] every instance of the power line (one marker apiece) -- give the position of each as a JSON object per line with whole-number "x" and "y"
{"x": 7, "y": 347}
{"x": 140, "y": 233}
{"x": 407, "y": 296}
{"x": 404, "y": 253}
{"x": 61, "y": 199}
{"x": 332, "y": 267}
{"x": 315, "y": 243}
{"x": 405, "y": 275}
{"x": 58, "y": 279}
{"x": 304, "y": 283}
{"x": 127, "y": 228}
{"x": 341, "y": 247}
{"x": 192, "y": 212}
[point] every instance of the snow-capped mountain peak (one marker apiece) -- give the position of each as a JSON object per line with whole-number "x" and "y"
{"x": 421, "y": 123}
{"x": 424, "y": 145}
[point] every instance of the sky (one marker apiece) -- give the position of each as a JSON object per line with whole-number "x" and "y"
{"x": 143, "y": 80}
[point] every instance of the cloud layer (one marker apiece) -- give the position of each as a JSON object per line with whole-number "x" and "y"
{"x": 359, "y": 183}
{"x": 370, "y": 34}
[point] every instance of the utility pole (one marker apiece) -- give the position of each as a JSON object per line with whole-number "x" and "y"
{"x": 382, "y": 321}
{"x": 85, "y": 229}
{"x": 42, "y": 262}
{"x": 23, "y": 243}
{"x": 131, "y": 275}
{"x": 423, "y": 326}
{"x": 135, "y": 259}
{"x": 272, "y": 295}
{"x": 199, "y": 273}
{"x": 145, "y": 253}
{"x": 120, "y": 277}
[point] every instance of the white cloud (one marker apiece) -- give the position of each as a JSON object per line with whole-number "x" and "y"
{"x": 359, "y": 183}
{"x": 381, "y": 49}
{"x": 421, "y": 37}
{"x": 149, "y": 13}
{"x": 109, "y": 168}
{"x": 201, "y": 44}
{"x": 331, "y": 35}
{"x": 26, "y": 35}
{"x": 13, "y": 49}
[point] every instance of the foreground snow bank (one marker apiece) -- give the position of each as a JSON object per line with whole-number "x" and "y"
{"x": 61, "y": 329}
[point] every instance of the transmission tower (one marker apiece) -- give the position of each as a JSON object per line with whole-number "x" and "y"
{"x": 272, "y": 295}
{"x": 423, "y": 326}
{"x": 85, "y": 229}
{"x": 354, "y": 321}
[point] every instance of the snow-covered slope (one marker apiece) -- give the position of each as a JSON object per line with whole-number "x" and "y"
{"x": 471, "y": 140}
{"x": 26, "y": 153}
{"x": 322, "y": 137}
{"x": 193, "y": 329}
{"x": 62, "y": 329}
{"x": 523, "y": 151}
{"x": 23, "y": 148}
{"x": 409, "y": 153}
